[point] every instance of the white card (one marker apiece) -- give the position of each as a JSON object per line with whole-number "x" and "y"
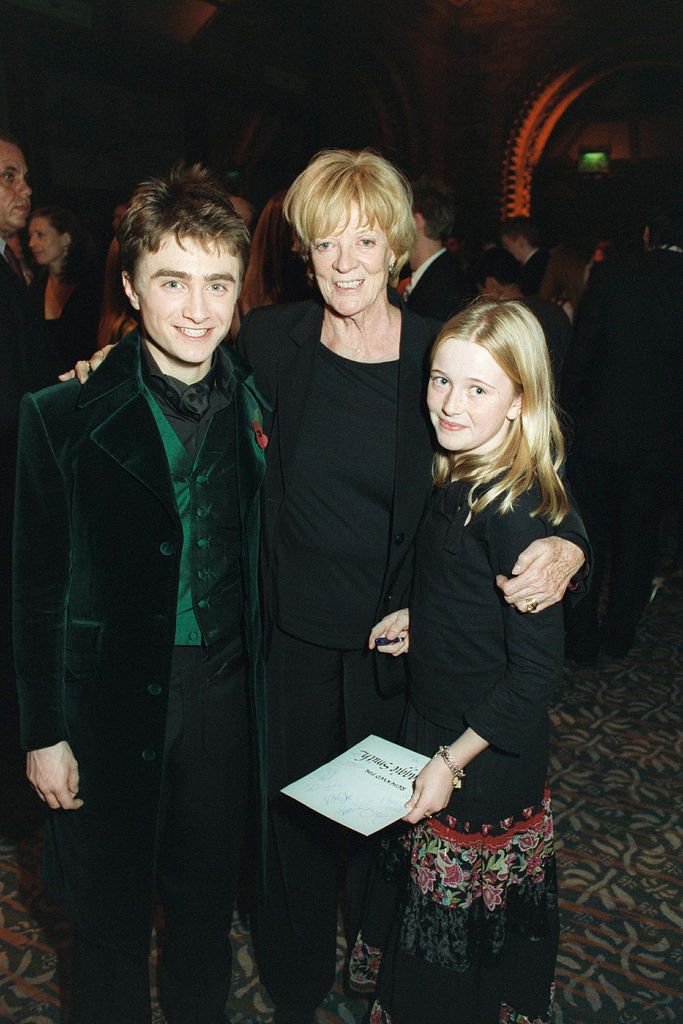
{"x": 365, "y": 788}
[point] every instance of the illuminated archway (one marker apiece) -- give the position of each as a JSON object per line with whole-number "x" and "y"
{"x": 544, "y": 108}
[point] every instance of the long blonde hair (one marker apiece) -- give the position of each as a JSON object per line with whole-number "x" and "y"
{"x": 533, "y": 450}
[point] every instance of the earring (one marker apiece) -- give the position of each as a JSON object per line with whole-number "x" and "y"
{"x": 392, "y": 269}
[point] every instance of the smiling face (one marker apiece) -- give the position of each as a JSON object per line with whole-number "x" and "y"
{"x": 351, "y": 265}
{"x": 48, "y": 246}
{"x": 15, "y": 193}
{"x": 186, "y": 297}
{"x": 472, "y": 402}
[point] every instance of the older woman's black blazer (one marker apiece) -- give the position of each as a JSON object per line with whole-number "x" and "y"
{"x": 280, "y": 343}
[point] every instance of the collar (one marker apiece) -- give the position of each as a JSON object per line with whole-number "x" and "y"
{"x": 190, "y": 401}
{"x": 532, "y": 253}
{"x": 123, "y": 368}
{"x": 417, "y": 274}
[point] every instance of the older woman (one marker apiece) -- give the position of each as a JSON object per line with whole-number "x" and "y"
{"x": 349, "y": 469}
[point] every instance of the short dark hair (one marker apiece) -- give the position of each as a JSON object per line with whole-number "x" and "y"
{"x": 524, "y": 227}
{"x": 189, "y": 202}
{"x": 436, "y": 203}
{"x": 11, "y": 139}
{"x": 499, "y": 264}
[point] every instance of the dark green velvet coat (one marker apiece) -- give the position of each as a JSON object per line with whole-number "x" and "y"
{"x": 95, "y": 602}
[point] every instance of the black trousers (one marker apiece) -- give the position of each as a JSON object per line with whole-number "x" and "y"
{"x": 621, "y": 508}
{"x": 202, "y": 822}
{"x": 321, "y": 701}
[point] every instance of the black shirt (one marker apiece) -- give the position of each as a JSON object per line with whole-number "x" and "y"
{"x": 187, "y": 407}
{"x": 335, "y": 528}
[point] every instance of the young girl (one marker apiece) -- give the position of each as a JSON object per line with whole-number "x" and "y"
{"x": 473, "y": 935}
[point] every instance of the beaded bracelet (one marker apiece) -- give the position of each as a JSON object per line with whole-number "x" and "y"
{"x": 458, "y": 772}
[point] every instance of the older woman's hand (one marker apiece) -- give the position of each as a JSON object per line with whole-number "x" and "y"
{"x": 541, "y": 574}
{"x": 84, "y": 367}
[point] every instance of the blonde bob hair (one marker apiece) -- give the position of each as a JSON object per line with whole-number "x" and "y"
{"x": 533, "y": 450}
{"x": 322, "y": 195}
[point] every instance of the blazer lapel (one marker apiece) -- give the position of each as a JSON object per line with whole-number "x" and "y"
{"x": 296, "y": 367}
{"x": 413, "y": 437}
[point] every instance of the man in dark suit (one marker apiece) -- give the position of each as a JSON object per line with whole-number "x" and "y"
{"x": 497, "y": 275}
{"x": 622, "y": 383}
{"x": 437, "y": 287}
{"x": 25, "y": 364}
{"x": 137, "y": 625}
{"x": 521, "y": 238}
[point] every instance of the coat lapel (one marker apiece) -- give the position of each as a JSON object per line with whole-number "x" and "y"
{"x": 131, "y": 437}
{"x": 296, "y": 367}
{"x": 129, "y": 434}
{"x": 413, "y": 437}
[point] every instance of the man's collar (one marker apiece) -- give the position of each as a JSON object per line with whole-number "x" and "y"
{"x": 417, "y": 274}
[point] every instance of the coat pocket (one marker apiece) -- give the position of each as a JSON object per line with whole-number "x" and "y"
{"x": 83, "y": 639}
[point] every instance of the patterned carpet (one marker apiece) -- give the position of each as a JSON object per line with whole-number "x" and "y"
{"x": 616, "y": 777}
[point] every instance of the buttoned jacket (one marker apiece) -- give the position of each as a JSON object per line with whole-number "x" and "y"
{"x": 98, "y": 542}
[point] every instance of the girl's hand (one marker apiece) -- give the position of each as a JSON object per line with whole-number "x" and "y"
{"x": 431, "y": 792}
{"x": 393, "y": 627}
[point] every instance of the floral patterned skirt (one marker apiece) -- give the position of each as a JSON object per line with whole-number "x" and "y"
{"x": 462, "y": 925}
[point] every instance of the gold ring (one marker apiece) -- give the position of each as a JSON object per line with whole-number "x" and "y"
{"x": 531, "y": 604}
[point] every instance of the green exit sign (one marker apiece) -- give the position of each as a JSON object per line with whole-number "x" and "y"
{"x": 594, "y": 161}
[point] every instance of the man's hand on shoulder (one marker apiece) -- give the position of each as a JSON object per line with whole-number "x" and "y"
{"x": 53, "y": 773}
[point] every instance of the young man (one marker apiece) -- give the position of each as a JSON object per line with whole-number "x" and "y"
{"x": 136, "y": 617}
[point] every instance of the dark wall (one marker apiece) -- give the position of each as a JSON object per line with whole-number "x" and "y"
{"x": 435, "y": 85}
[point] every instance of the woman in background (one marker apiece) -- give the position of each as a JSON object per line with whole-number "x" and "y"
{"x": 275, "y": 272}
{"x": 65, "y": 291}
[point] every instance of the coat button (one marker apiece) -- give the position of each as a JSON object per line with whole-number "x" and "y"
{"x": 148, "y": 755}
{"x": 202, "y": 542}
{"x": 202, "y": 603}
{"x": 200, "y": 478}
{"x": 399, "y": 538}
{"x": 192, "y": 635}
{"x": 154, "y": 689}
{"x": 167, "y": 548}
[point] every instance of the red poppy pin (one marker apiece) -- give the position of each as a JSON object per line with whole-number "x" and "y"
{"x": 261, "y": 438}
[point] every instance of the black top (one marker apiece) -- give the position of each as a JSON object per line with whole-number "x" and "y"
{"x": 475, "y": 660}
{"x": 73, "y": 335}
{"x": 335, "y": 528}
